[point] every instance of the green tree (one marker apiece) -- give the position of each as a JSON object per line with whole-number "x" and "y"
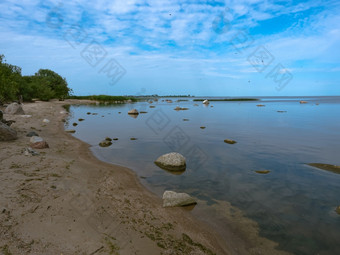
{"x": 54, "y": 82}
{"x": 10, "y": 78}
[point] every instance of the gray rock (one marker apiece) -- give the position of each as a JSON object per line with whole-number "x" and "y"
{"x": 7, "y": 133}
{"x": 171, "y": 199}
{"x": 133, "y": 112}
{"x": 1, "y": 115}
{"x": 171, "y": 161}
{"x": 32, "y": 133}
{"x": 14, "y": 108}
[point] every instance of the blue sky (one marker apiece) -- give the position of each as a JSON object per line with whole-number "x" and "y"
{"x": 217, "y": 48}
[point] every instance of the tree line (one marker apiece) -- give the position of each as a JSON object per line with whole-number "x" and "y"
{"x": 44, "y": 84}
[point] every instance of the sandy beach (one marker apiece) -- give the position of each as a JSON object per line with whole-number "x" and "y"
{"x": 65, "y": 201}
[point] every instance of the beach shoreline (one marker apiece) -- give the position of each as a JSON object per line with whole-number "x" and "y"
{"x": 66, "y": 201}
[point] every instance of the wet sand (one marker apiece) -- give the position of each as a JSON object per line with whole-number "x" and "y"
{"x": 66, "y": 201}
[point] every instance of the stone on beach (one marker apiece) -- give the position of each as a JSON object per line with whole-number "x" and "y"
{"x": 205, "y": 101}
{"x": 14, "y": 109}
{"x": 70, "y": 131}
{"x": 46, "y": 121}
{"x": 171, "y": 199}
{"x": 7, "y": 133}
{"x": 172, "y": 161}
{"x": 38, "y": 143}
{"x": 133, "y": 112}
{"x": 32, "y": 133}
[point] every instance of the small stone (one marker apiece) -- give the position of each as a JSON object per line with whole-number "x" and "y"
{"x": 133, "y": 138}
{"x": 81, "y": 119}
{"x": 75, "y": 124}
{"x": 143, "y": 112}
{"x": 70, "y": 131}
{"x": 260, "y": 105}
{"x": 262, "y": 171}
{"x": 185, "y": 119}
{"x": 88, "y": 113}
{"x": 115, "y": 139}
{"x": 205, "y": 102}
{"x": 32, "y": 133}
{"x": 202, "y": 127}
{"x": 40, "y": 145}
{"x": 108, "y": 139}
{"x": 303, "y": 102}
{"x": 229, "y": 141}
{"x": 152, "y": 106}
{"x": 46, "y": 121}
{"x": 133, "y": 112}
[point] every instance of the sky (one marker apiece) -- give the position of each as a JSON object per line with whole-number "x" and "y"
{"x": 178, "y": 47}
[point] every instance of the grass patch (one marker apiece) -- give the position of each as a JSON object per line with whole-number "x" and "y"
{"x": 227, "y": 99}
{"x": 104, "y": 98}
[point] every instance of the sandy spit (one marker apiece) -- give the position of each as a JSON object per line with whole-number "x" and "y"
{"x": 65, "y": 201}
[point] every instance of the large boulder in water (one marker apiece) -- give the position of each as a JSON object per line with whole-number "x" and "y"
{"x": 205, "y": 101}
{"x": 14, "y": 108}
{"x": 171, "y": 199}
{"x": 7, "y": 133}
{"x": 172, "y": 161}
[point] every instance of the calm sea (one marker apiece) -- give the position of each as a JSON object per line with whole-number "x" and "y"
{"x": 294, "y": 204}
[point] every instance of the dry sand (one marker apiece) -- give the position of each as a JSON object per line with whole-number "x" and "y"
{"x": 65, "y": 201}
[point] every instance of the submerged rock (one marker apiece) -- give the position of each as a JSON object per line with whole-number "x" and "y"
{"x": 262, "y": 171}
{"x": 260, "y": 105}
{"x": 133, "y": 112}
{"x": 303, "y": 102}
{"x": 202, "y": 127}
{"x": 75, "y": 124}
{"x": 14, "y": 108}
{"x": 152, "y": 106}
{"x": 181, "y": 108}
{"x": 108, "y": 139}
{"x": 172, "y": 161}
{"x": 7, "y": 133}
{"x": 338, "y": 210}
{"x": 171, "y": 199}
{"x": 105, "y": 143}
{"x": 133, "y": 138}
{"x": 327, "y": 167}
{"x": 81, "y": 119}
{"x": 229, "y": 141}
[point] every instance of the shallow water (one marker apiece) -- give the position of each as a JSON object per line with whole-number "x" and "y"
{"x": 294, "y": 204}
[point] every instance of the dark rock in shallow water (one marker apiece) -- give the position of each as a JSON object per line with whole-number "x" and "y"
{"x": 229, "y": 141}
{"x": 105, "y": 143}
{"x": 262, "y": 171}
{"x": 108, "y": 139}
{"x": 202, "y": 127}
{"x": 327, "y": 167}
{"x": 75, "y": 124}
{"x": 338, "y": 210}
{"x": 81, "y": 119}
{"x": 133, "y": 138}
{"x": 7, "y": 133}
